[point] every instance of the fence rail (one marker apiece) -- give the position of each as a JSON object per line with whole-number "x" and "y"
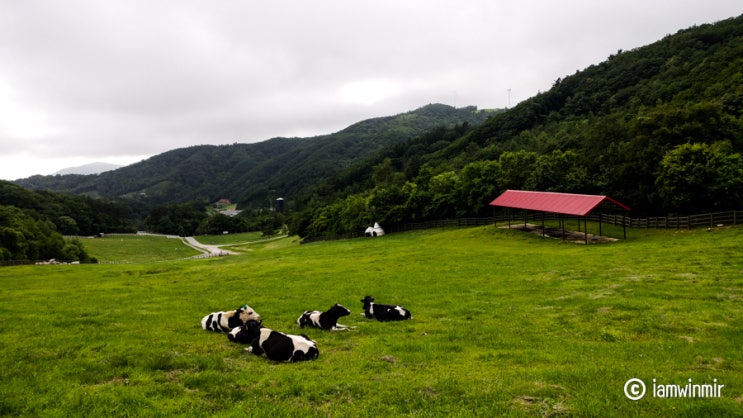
{"x": 665, "y": 222}
{"x": 16, "y": 262}
{"x": 442, "y": 224}
{"x": 674, "y": 222}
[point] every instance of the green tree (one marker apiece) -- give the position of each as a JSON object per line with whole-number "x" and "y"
{"x": 218, "y": 223}
{"x": 178, "y": 219}
{"x": 25, "y": 238}
{"x": 558, "y": 171}
{"x": 515, "y": 168}
{"x": 387, "y": 205}
{"x": 67, "y": 225}
{"x": 697, "y": 176}
{"x": 479, "y": 185}
{"x": 354, "y": 214}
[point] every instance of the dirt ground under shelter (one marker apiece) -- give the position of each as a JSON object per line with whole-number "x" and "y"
{"x": 577, "y": 237}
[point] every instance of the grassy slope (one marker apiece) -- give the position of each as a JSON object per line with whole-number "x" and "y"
{"x": 121, "y": 248}
{"x": 504, "y": 323}
{"x": 229, "y": 238}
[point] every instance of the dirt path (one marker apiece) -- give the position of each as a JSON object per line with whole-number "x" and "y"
{"x": 571, "y": 236}
{"x": 210, "y": 250}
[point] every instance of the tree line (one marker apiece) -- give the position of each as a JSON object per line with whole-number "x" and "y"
{"x": 23, "y": 238}
{"x": 33, "y": 224}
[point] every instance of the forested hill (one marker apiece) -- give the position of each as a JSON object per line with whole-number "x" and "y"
{"x": 625, "y": 120}
{"x": 659, "y": 127}
{"x": 254, "y": 173}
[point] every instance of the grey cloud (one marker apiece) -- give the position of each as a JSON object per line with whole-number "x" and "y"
{"x": 91, "y": 78}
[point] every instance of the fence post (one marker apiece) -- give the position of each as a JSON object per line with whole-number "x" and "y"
{"x": 624, "y": 227}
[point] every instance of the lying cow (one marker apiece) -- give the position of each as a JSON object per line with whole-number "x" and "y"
{"x": 226, "y": 321}
{"x": 384, "y": 312}
{"x": 275, "y": 345}
{"x": 244, "y": 334}
{"x": 325, "y": 320}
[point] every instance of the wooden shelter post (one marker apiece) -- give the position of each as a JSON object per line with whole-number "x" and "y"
{"x": 562, "y": 225}
{"x": 542, "y": 223}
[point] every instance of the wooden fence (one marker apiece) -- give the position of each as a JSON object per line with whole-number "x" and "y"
{"x": 708, "y": 220}
{"x": 442, "y": 224}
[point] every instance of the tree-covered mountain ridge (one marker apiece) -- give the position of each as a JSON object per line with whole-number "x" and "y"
{"x": 624, "y": 116}
{"x": 658, "y": 127}
{"x": 250, "y": 174}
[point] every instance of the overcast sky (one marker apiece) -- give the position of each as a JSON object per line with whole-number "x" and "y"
{"x": 119, "y": 81}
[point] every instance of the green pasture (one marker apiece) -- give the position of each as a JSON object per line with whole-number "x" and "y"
{"x": 504, "y": 323}
{"x": 130, "y": 248}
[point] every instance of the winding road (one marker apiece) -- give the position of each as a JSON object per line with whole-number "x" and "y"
{"x": 211, "y": 250}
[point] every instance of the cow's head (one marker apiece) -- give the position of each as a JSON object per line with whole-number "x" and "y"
{"x": 367, "y": 301}
{"x": 246, "y": 313}
{"x": 340, "y": 310}
{"x": 253, "y": 327}
{"x": 244, "y": 334}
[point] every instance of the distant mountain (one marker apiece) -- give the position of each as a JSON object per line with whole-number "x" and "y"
{"x": 92, "y": 168}
{"x": 254, "y": 174}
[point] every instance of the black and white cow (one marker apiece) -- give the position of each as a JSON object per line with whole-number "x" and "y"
{"x": 244, "y": 334}
{"x": 384, "y": 312}
{"x": 275, "y": 345}
{"x": 226, "y": 321}
{"x": 325, "y": 320}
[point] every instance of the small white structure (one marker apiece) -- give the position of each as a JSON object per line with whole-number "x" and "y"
{"x": 374, "y": 231}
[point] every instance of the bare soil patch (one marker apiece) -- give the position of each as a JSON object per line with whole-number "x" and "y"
{"x": 577, "y": 237}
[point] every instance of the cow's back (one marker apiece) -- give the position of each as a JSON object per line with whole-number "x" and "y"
{"x": 307, "y": 319}
{"x": 213, "y": 322}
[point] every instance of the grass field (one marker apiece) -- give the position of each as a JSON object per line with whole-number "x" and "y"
{"x": 128, "y": 248}
{"x": 505, "y": 323}
{"x": 229, "y": 239}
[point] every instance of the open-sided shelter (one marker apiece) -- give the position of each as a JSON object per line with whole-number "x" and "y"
{"x": 562, "y": 204}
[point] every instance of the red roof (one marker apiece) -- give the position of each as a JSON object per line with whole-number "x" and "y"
{"x": 564, "y": 203}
